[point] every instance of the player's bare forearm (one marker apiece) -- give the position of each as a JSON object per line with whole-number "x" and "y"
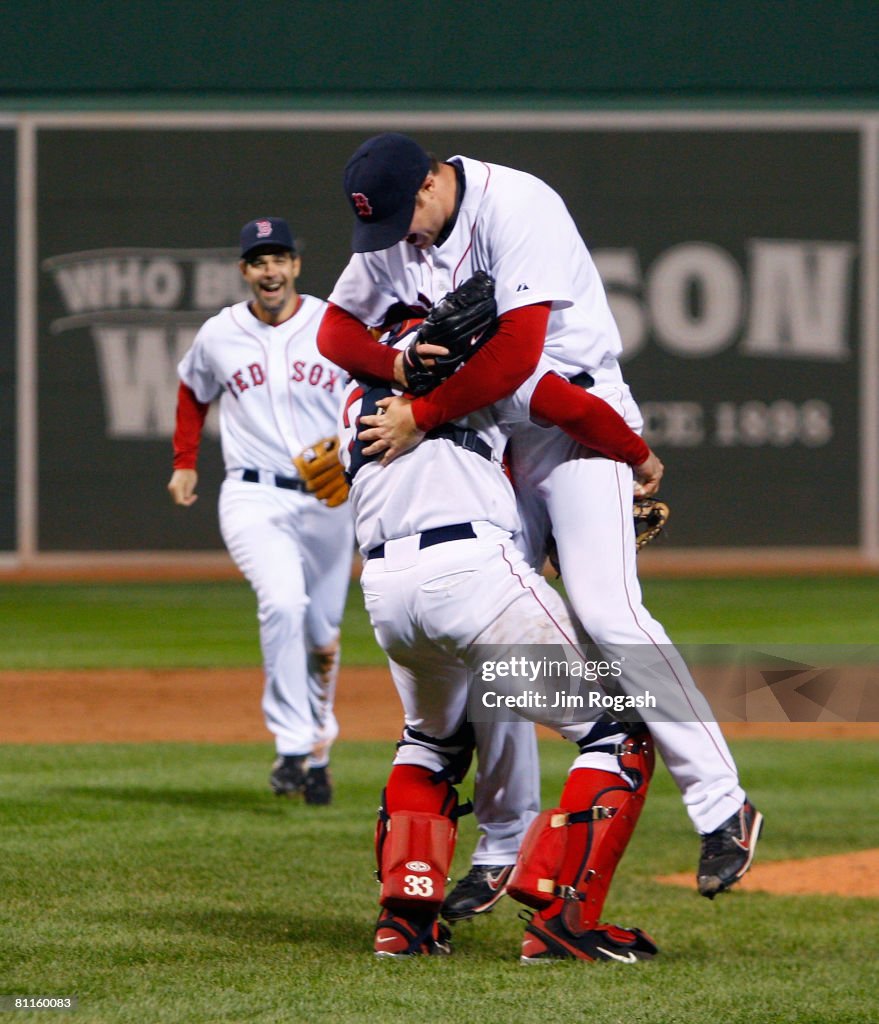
{"x": 648, "y": 475}
{"x": 392, "y": 431}
{"x": 182, "y": 486}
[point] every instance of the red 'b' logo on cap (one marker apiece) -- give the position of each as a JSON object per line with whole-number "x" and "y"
{"x": 361, "y": 204}
{"x": 263, "y": 228}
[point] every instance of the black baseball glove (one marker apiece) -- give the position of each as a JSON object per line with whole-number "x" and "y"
{"x": 462, "y": 321}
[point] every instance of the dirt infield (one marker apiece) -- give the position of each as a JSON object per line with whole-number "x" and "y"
{"x": 654, "y": 562}
{"x": 207, "y": 706}
{"x": 210, "y": 706}
{"x": 197, "y": 705}
{"x": 845, "y": 874}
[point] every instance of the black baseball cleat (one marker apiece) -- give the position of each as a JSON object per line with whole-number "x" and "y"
{"x": 477, "y": 892}
{"x": 288, "y": 775}
{"x": 399, "y": 938}
{"x": 318, "y": 786}
{"x": 727, "y": 852}
{"x": 546, "y": 941}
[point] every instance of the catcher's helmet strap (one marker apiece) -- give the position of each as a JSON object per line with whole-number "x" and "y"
{"x": 463, "y": 437}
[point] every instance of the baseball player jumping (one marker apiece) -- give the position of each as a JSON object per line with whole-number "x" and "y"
{"x": 421, "y": 228}
{"x": 282, "y": 506}
{"x": 442, "y": 576}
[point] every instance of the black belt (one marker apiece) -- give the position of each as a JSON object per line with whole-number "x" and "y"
{"x": 289, "y": 483}
{"x": 438, "y": 535}
{"x": 583, "y": 380}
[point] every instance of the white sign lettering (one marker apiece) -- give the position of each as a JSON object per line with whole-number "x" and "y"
{"x": 143, "y": 309}
{"x": 136, "y": 365}
{"x": 792, "y": 300}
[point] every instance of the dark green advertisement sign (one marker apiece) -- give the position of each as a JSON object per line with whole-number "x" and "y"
{"x": 730, "y": 258}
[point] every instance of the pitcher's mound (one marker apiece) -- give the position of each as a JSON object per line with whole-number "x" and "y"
{"x": 842, "y": 874}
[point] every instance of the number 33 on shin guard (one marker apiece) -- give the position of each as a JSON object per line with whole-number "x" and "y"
{"x": 414, "y": 856}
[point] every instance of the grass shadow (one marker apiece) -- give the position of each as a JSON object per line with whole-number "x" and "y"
{"x": 223, "y": 800}
{"x": 325, "y": 935}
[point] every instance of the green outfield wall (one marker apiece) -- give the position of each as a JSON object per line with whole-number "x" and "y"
{"x": 721, "y": 161}
{"x": 311, "y": 51}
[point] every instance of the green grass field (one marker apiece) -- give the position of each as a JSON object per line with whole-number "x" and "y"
{"x": 160, "y": 625}
{"x": 163, "y": 883}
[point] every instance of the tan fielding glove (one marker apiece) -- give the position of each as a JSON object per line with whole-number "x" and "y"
{"x": 320, "y": 468}
{"x": 651, "y": 516}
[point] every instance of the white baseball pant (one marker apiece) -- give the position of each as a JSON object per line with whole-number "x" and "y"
{"x": 296, "y": 554}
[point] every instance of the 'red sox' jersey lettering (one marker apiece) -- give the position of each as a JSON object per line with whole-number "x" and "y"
{"x": 242, "y": 380}
{"x": 317, "y": 374}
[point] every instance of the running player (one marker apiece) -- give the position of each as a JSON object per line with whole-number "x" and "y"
{"x": 278, "y": 395}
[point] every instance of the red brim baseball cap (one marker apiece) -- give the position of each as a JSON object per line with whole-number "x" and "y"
{"x": 382, "y": 179}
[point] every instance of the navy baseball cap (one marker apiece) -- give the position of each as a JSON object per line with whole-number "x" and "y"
{"x": 266, "y": 233}
{"x": 382, "y": 179}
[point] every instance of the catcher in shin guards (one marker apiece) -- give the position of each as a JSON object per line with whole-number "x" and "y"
{"x": 444, "y": 582}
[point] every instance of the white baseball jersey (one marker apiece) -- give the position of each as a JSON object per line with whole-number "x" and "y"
{"x": 432, "y": 605}
{"x": 449, "y": 486}
{"x": 516, "y": 228}
{"x": 278, "y": 394}
{"x": 446, "y": 485}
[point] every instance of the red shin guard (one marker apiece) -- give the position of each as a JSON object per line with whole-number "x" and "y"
{"x": 570, "y": 854}
{"x": 415, "y": 859}
{"x": 415, "y": 840}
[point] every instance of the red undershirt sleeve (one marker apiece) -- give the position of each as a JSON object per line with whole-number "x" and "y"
{"x": 588, "y": 419}
{"x": 497, "y": 369}
{"x": 187, "y": 432}
{"x": 344, "y": 340}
